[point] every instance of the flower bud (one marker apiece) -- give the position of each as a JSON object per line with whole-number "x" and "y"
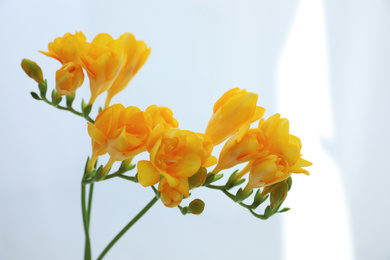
{"x": 69, "y": 78}
{"x": 196, "y": 207}
{"x": 32, "y": 70}
{"x": 278, "y": 193}
{"x": 198, "y": 178}
{"x": 233, "y": 110}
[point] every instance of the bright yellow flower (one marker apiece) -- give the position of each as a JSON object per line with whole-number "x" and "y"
{"x": 103, "y": 63}
{"x": 162, "y": 115}
{"x": 205, "y": 153}
{"x": 69, "y": 78}
{"x": 172, "y": 196}
{"x": 135, "y": 55}
{"x": 246, "y": 145}
{"x": 233, "y": 110}
{"x": 69, "y": 48}
{"x": 175, "y": 154}
{"x": 122, "y": 132}
{"x": 283, "y": 157}
{"x": 32, "y": 70}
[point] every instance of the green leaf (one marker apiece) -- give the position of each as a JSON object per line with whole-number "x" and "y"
{"x": 35, "y": 95}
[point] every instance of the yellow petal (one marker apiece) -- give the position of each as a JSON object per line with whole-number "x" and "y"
{"x": 148, "y": 175}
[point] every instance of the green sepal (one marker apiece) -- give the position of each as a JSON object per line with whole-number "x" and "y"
{"x": 83, "y": 105}
{"x": 100, "y": 109}
{"x": 35, "y": 95}
{"x": 69, "y": 100}
{"x": 240, "y": 196}
{"x": 125, "y": 167}
{"x": 211, "y": 177}
{"x": 289, "y": 182}
{"x": 231, "y": 181}
{"x": 283, "y": 210}
{"x": 42, "y": 88}
{"x": 54, "y": 98}
{"x": 268, "y": 212}
{"x": 259, "y": 199}
{"x": 87, "y": 110}
{"x": 98, "y": 173}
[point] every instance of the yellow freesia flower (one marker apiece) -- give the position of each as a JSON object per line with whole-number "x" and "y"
{"x": 122, "y": 132}
{"x": 280, "y": 158}
{"x": 233, "y": 110}
{"x": 135, "y": 55}
{"x": 246, "y": 145}
{"x": 172, "y": 196}
{"x": 174, "y": 154}
{"x": 69, "y": 48}
{"x": 162, "y": 115}
{"x": 205, "y": 153}
{"x": 69, "y": 78}
{"x": 103, "y": 63}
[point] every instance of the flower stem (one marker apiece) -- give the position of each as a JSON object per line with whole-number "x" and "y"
{"x": 90, "y": 202}
{"x": 127, "y": 227}
{"x": 87, "y": 253}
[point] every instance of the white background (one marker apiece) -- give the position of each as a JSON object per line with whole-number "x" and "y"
{"x": 323, "y": 64}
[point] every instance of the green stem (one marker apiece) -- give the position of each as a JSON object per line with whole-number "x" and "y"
{"x": 70, "y": 109}
{"x": 120, "y": 175}
{"x": 127, "y": 227}
{"x": 90, "y": 202}
{"x": 87, "y": 253}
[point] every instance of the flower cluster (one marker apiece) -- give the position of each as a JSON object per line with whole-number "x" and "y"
{"x": 110, "y": 64}
{"x": 178, "y": 159}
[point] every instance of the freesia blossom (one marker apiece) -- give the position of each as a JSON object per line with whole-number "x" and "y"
{"x": 233, "y": 110}
{"x": 162, "y": 115}
{"x": 172, "y": 196}
{"x": 176, "y": 155}
{"x": 135, "y": 55}
{"x": 103, "y": 62}
{"x": 246, "y": 145}
{"x": 122, "y": 132}
{"x": 69, "y": 48}
{"x": 69, "y": 78}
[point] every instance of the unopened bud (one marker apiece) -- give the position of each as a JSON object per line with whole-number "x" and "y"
{"x": 69, "y": 78}
{"x": 196, "y": 207}
{"x": 32, "y": 70}
{"x": 198, "y": 178}
{"x": 278, "y": 194}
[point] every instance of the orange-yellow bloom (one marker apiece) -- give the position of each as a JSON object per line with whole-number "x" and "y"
{"x": 103, "y": 63}
{"x": 122, "y": 132}
{"x": 246, "y": 145}
{"x": 69, "y": 48}
{"x": 69, "y": 78}
{"x": 172, "y": 196}
{"x": 162, "y": 115}
{"x": 135, "y": 55}
{"x": 233, "y": 110}
{"x": 176, "y": 155}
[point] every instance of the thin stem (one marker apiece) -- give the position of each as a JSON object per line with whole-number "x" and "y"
{"x": 87, "y": 253}
{"x": 127, "y": 227}
{"x": 90, "y": 202}
{"x": 117, "y": 174}
{"x": 70, "y": 109}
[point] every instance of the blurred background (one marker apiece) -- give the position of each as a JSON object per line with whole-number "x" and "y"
{"x": 324, "y": 65}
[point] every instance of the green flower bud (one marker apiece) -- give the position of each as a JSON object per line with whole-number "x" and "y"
{"x": 278, "y": 194}
{"x": 198, "y": 178}
{"x": 196, "y": 207}
{"x": 32, "y": 70}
